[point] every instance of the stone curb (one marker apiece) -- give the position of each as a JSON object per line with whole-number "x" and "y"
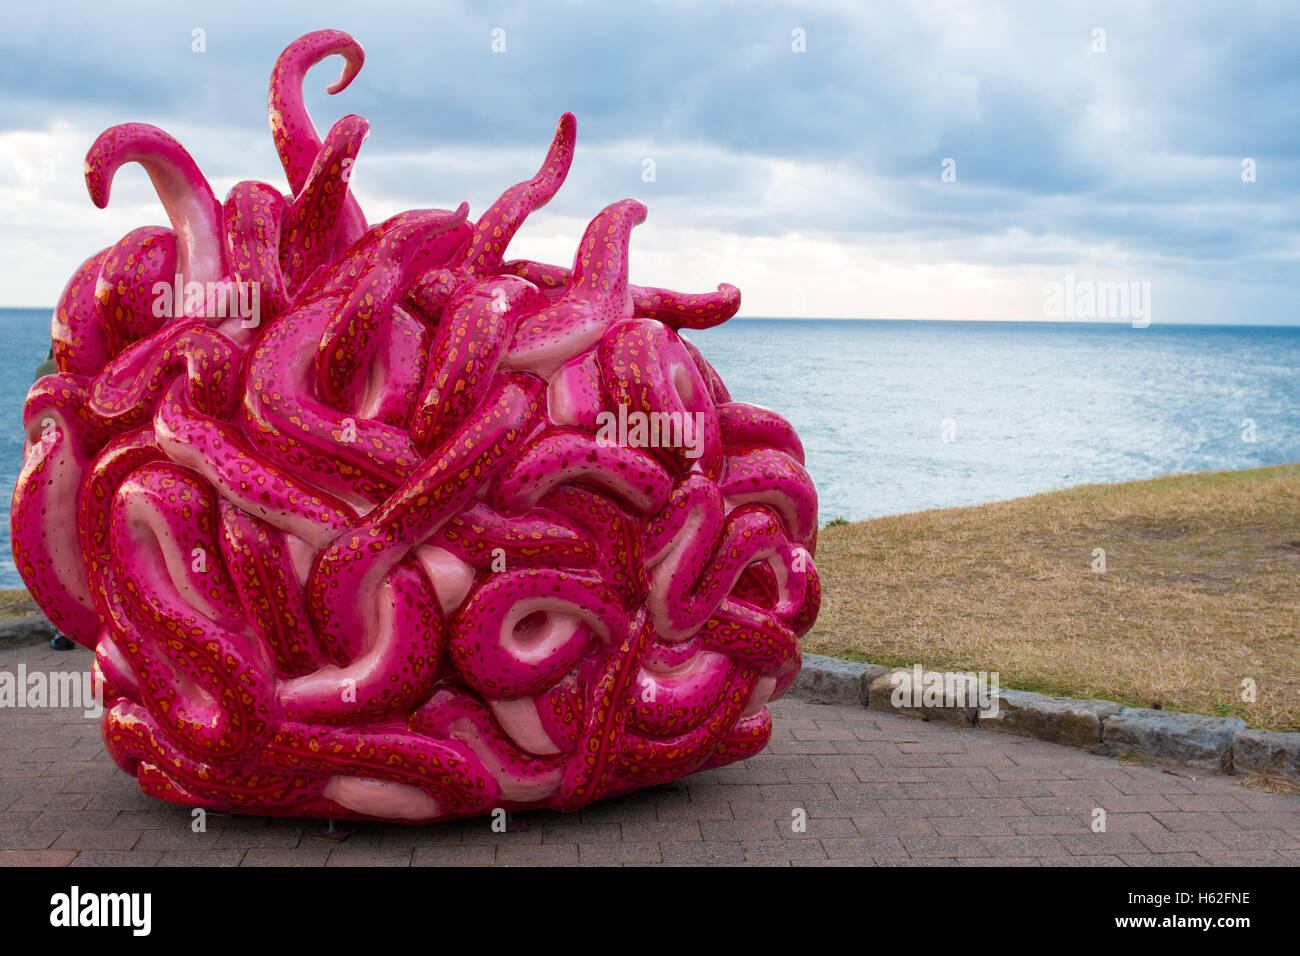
{"x": 1264, "y": 751}
{"x": 829, "y": 678}
{"x": 1189, "y": 740}
{"x": 29, "y": 629}
{"x": 1218, "y": 744}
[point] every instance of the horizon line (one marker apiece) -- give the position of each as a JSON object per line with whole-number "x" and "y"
{"x": 832, "y": 318}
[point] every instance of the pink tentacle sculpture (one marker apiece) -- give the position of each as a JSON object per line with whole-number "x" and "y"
{"x": 370, "y": 522}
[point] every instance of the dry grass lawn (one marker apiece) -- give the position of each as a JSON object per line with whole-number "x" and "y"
{"x": 16, "y": 603}
{"x": 1201, "y": 592}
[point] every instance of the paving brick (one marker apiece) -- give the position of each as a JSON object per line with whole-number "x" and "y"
{"x": 620, "y": 853}
{"x": 923, "y": 846}
{"x": 713, "y": 810}
{"x": 652, "y": 832}
{"x": 726, "y": 793}
{"x": 36, "y": 857}
{"x": 900, "y": 826}
{"x": 1218, "y": 802}
{"x": 454, "y": 855}
{"x": 1257, "y": 840}
{"x": 1047, "y": 825}
{"x": 710, "y": 851}
{"x": 869, "y": 793}
{"x": 762, "y": 810}
{"x": 1132, "y": 822}
{"x": 1183, "y": 821}
{"x": 28, "y": 839}
{"x": 822, "y": 828}
{"x": 97, "y": 839}
{"x": 1101, "y": 844}
{"x": 972, "y": 826}
{"x": 1243, "y": 858}
{"x": 369, "y": 856}
{"x": 865, "y": 847}
{"x": 1021, "y": 845}
{"x": 998, "y": 861}
{"x": 314, "y": 855}
{"x": 191, "y": 858}
{"x": 1081, "y": 861}
{"x": 583, "y": 833}
{"x": 116, "y": 858}
{"x": 246, "y": 838}
{"x": 992, "y": 806}
{"x": 742, "y": 830}
{"x": 1163, "y": 859}
{"x": 1178, "y": 842}
{"x": 782, "y": 850}
{"x": 935, "y": 790}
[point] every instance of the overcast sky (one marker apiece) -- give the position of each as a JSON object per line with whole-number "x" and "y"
{"x": 812, "y": 179}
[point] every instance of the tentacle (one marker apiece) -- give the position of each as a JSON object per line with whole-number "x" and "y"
{"x": 354, "y": 333}
{"x": 466, "y": 349}
{"x": 199, "y": 672}
{"x": 81, "y": 343}
{"x": 191, "y": 206}
{"x": 503, "y": 219}
{"x": 261, "y": 562}
{"x": 560, "y": 455}
{"x": 717, "y": 389}
{"x": 769, "y": 477}
{"x": 358, "y": 459}
{"x": 218, "y": 452}
{"x": 296, "y": 139}
{"x": 595, "y": 759}
{"x": 521, "y": 631}
{"x": 254, "y": 213}
{"x": 749, "y": 426}
{"x": 650, "y": 378}
{"x": 345, "y": 579}
{"x": 434, "y": 779}
{"x": 129, "y": 307}
{"x": 746, "y": 739}
{"x": 677, "y": 310}
{"x": 597, "y": 296}
{"x": 110, "y": 468}
{"x": 685, "y": 310}
{"x": 127, "y": 392}
{"x": 314, "y": 231}
{"x": 620, "y": 547}
{"x": 483, "y": 537}
{"x": 394, "y": 674}
{"x": 522, "y": 778}
{"x": 43, "y": 518}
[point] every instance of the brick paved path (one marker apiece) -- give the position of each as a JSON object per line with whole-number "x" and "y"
{"x": 876, "y": 789}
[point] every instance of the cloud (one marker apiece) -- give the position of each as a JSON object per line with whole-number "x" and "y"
{"x": 773, "y": 169}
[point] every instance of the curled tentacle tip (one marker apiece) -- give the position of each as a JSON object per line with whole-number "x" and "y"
{"x": 354, "y": 125}
{"x": 633, "y": 209}
{"x": 353, "y": 59}
{"x": 96, "y": 187}
{"x": 310, "y": 48}
{"x": 119, "y": 145}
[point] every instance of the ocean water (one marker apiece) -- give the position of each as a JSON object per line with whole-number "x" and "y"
{"x": 900, "y": 416}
